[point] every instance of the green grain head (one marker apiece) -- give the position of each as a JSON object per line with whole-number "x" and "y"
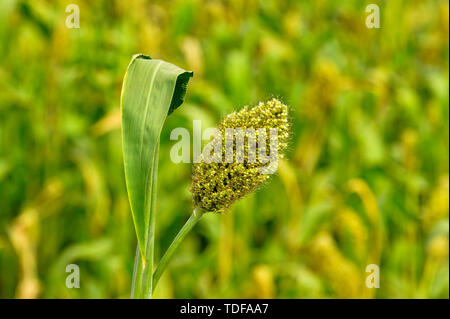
{"x": 217, "y": 184}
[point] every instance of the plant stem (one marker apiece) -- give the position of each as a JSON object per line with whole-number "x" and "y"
{"x": 135, "y": 286}
{"x": 143, "y": 265}
{"x": 191, "y": 222}
{"x": 147, "y": 278}
{"x": 133, "y": 282}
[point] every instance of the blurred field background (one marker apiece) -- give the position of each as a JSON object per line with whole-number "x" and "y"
{"x": 367, "y": 180}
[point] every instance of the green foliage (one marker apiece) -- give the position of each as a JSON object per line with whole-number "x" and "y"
{"x": 367, "y": 175}
{"x": 151, "y": 90}
{"x": 148, "y": 91}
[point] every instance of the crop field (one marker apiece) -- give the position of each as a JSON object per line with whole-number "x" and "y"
{"x": 363, "y": 188}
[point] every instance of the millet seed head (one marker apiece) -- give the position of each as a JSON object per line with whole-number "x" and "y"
{"x": 216, "y": 185}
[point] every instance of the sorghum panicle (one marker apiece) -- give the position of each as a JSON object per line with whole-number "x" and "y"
{"x": 215, "y": 186}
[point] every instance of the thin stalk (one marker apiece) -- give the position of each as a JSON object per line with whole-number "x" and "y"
{"x": 147, "y": 280}
{"x": 142, "y": 276}
{"x": 187, "y": 227}
{"x": 135, "y": 284}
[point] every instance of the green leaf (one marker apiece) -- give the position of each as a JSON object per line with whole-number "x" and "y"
{"x": 151, "y": 90}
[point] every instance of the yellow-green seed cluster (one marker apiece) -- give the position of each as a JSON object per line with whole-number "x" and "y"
{"x": 215, "y": 186}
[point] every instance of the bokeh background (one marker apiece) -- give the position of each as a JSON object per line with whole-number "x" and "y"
{"x": 367, "y": 175}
